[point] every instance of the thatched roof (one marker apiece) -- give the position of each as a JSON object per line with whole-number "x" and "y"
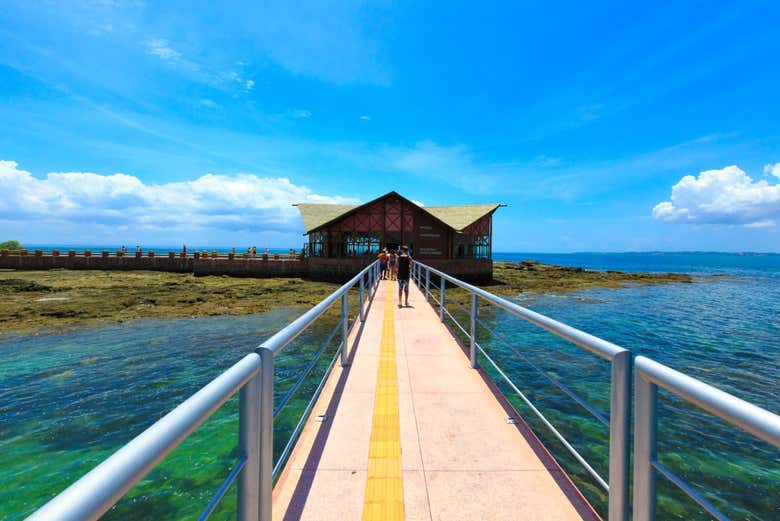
{"x": 459, "y": 217}
{"x": 456, "y": 217}
{"x": 315, "y": 215}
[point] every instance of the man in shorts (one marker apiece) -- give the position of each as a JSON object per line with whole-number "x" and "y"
{"x": 382, "y": 264}
{"x": 404, "y": 271}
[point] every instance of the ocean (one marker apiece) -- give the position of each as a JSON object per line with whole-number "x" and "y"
{"x": 69, "y": 400}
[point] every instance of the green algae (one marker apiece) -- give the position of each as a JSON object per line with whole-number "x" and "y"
{"x": 40, "y": 301}
{"x": 56, "y": 300}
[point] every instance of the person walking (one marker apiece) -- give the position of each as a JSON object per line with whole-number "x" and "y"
{"x": 404, "y": 271}
{"x": 382, "y": 264}
{"x": 392, "y": 262}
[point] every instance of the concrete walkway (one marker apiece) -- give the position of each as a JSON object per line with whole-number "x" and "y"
{"x": 460, "y": 459}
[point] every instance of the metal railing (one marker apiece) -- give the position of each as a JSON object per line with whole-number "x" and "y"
{"x": 620, "y": 378}
{"x": 650, "y": 376}
{"x": 253, "y": 377}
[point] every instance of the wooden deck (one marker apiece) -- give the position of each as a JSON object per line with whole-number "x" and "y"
{"x": 412, "y": 432}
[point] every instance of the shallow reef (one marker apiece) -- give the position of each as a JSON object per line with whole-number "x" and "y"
{"x": 44, "y": 301}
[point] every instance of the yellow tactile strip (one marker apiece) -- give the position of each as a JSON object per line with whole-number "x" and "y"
{"x": 384, "y": 497}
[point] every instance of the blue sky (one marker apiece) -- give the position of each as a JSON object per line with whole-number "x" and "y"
{"x": 622, "y": 126}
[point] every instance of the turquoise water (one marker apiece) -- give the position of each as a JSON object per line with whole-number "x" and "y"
{"x": 67, "y": 401}
{"x": 723, "y": 329}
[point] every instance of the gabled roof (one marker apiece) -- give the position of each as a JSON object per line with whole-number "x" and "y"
{"x": 315, "y": 215}
{"x": 460, "y": 217}
{"x": 456, "y": 217}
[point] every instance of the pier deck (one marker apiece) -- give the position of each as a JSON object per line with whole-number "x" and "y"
{"x": 412, "y": 432}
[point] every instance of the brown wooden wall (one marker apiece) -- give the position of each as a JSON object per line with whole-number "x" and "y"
{"x": 395, "y": 221}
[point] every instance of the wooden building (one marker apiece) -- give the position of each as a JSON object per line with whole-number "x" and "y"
{"x": 456, "y": 239}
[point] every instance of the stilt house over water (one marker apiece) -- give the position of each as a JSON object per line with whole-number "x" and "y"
{"x": 455, "y": 239}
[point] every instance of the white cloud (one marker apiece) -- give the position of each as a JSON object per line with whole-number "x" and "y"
{"x": 249, "y": 85}
{"x": 365, "y": 117}
{"x": 160, "y": 48}
{"x": 773, "y": 169}
{"x": 209, "y": 103}
{"x": 726, "y": 196}
{"x": 212, "y": 201}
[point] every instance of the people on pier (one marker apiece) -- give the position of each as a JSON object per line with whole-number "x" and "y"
{"x": 392, "y": 263}
{"x": 404, "y": 272}
{"x": 383, "y": 264}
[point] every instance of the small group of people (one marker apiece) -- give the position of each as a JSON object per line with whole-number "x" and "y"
{"x": 388, "y": 264}
{"x": 397, "y": 265}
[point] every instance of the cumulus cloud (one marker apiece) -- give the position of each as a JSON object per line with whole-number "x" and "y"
{"x": 725, "y": 196}
{"x": 212, "y": 201}
{"x": 773, "y": 169}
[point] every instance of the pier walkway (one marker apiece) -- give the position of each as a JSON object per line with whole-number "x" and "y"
{"x": 408, "y": 430}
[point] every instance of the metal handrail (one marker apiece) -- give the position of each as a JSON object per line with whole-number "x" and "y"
{"x": 651, "y": 375}
{"x": 620, "y": 377}
{"x": 98, "y": 490}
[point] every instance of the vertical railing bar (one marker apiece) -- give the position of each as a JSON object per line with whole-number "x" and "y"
{"x": 249, "y": 400}
{"x": 427, "y": 285}
{"x": 362, "y": 311}
{"x": 442, "y": 296}
{"x": 266, "y": 432}
{"x": 619, "y": 436}
{"x": 473, "y": 335}
{"x": 344, "y": 330}
{"x": 645, "y": 425}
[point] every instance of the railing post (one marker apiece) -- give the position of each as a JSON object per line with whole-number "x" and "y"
{"x": 473, "y": 339}
{"x": 427, "y": 284}
{"x": 344, "y": 328}
{"x": 645, "y": 424}
{"x": 441, "y": 299}
{"x": 362, "y": 314}
{"x": 619, "y": 433}
{"x": 249, "y": 443}
{"x": 266, "y": 414}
